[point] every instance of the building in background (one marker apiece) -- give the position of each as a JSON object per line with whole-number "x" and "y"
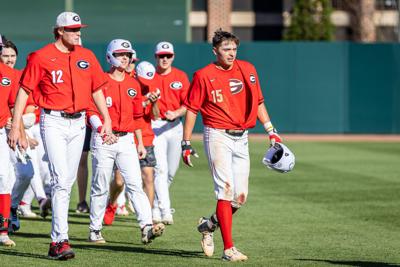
{"x": 260, "y": 20}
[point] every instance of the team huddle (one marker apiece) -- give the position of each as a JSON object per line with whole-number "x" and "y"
{"x": 135, "y": 113}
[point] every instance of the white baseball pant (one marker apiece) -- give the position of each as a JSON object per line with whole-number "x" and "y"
{"x": 124, "y": 155}
{"x": 5, "y": 165}
{"x": 167, "y": 149}
{"x": 229, "y": 162}
{"x": 63, "y": 142}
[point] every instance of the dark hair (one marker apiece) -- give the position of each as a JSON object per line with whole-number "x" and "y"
{"x": 9, "y": 44}
{"x": 56, "y": 34}
{"x": 221, "y": 36}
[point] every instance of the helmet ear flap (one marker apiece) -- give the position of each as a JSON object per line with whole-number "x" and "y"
{"x": 112, "y": 60}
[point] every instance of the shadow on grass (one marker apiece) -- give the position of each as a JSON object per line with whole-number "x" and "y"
{"x": 354, "y": 263}
{"x": 145, "y": 250}
{"x": 31, "y": 235}
{"x": 12, "y": 252}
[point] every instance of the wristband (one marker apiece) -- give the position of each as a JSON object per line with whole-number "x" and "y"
{"x": 269, "y": 127}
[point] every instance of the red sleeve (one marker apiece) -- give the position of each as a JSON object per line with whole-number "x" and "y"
{"x": 185, "y": 89}
{"x": 33, "y": 73}
{"x": 196, "y": 94}
{"x": 98, "y": 76}
{"x": 137, "y": 102}
{"x": 14, "y": 89}
{"x": 139, "y": 123}
{"x": 260, "y": 94}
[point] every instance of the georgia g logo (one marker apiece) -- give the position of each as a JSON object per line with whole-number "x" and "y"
{"x": 252, "y": 78}
{"x": 132, "y": 92}
{"x": 125, "y": 44}
{"x": 76, "y": 18}
{"x": 5, "y": 81}
{"x": 83, "y": 64}
{"x": 176, "y": 85}
{"x": 236, "y": 86}
{"x": 165, "y": 46}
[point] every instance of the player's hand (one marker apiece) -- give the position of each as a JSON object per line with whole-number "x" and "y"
{"x": 171, "y": 115}
{"x": 154, "y": 96}
{"x": 13, "y": 137}
{"x": 188, "y": 151}
{"x": 9, "y": 123}
{"x": 142, "y": 152}
{"x": 32, "y": 142}
{"x": 274, "y": 137}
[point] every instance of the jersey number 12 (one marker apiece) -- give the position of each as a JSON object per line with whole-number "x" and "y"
{"x": 57, "y": 76}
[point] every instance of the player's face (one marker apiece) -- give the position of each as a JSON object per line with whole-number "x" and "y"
{"x": 71, "y": 36}
{"x": 226, "y": 53}
{"x": 8, "y": 56}
{"x": 164, "y": 62}
{"x": 124, "y": 58}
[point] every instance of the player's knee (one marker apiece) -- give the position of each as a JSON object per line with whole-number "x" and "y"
{"x": 239, "y": 201}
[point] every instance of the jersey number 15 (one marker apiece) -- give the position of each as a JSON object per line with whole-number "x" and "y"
{"x": 217, "y": 96}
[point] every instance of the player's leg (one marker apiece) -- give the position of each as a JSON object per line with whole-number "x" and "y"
{"x": 128, "y": 164}
{"x": 163, "y": 206}
{"x": 82, "y": 206}
{"x": 63, "y": 142}
{"x": 116, "y": 187}
{"x": 147, "y": 166}
{"x": 24, "y": 207}
{"x": 103, "y": 160}
{"x": 5, "y": 189}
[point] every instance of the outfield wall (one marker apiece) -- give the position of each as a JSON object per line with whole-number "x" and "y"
{"x": 309, "y": 87}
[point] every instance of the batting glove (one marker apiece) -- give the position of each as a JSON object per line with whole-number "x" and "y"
{"x": 272, "y": 133}
{"x": 188, "y": 151}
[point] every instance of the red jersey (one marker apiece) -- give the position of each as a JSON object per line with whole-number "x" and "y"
{"x": 227, "y": 99}
{"x": 66, "y": 81}
{"x": 147, "y": 131}
{"x": 173, "y": 87}
{"x": 124, "y": 103}
{"x": 8, "y": 82}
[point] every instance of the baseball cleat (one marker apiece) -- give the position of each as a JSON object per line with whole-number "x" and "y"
{"x": 167, "y": 219}
{"x": 96, "y": 237}
{"x": 60, "y": 251}
{"x": 44, "y": 207}
{"x": 14, "y": 223}
{"x": 207, "y": 240}
{"x": 6, "y": 241}
{"x": 122, "y": 211}
{"x": 150, "y": 232}
{"x": 109, "y": 215}
{"x": 24, "y": 210}
{"x": 232, "y": 254}
{"x": 82, "y": 207}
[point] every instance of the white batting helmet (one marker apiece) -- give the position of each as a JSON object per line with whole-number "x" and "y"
{"x": 279, "y": 158}
{"x": 118, "y": 46}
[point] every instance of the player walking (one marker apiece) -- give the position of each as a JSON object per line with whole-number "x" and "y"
{"x": 67, "y": 76}
{"x": 173, "y": 84}
{"x": 228, "y": 95}
{"x": 124, "y": 101}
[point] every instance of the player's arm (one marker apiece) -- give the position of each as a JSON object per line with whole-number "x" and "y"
{"x": 263, "y": 117}
{"x": 155, "y": 110}
{"x": 106, "y": 130}
{"x": 172, "y": 115}
{"x": 14, "y": 136}
{"x": 140, "y": 147}
{"x": 187, "y": 150}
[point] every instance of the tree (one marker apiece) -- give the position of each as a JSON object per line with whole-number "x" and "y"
{"x": 310, "y": 21}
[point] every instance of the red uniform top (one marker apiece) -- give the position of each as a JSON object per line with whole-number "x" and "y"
{"x": 147, "y": 131}
{"x": 8, "y": 82}
{"x": 227, "y": 99}
{"x": 65, "y": 80}
{"x": 173, "y": 87}
{"x": 124, "y": 103}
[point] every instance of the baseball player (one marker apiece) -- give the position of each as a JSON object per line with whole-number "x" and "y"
{"x": 124, "y": 103}
{"x": 228, "y": 95}
{"x": 67, "y": 76}
{"x": 8, "y": 80}
{"x": 27, "y": 175}
{"x": 173, "y": 84}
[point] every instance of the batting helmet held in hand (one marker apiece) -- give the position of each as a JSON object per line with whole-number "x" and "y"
{"x": 279, "y": 158}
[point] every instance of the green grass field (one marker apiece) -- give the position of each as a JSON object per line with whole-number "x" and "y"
{"x": 339, "y": 207}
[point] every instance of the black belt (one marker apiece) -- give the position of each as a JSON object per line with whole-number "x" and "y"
{"x": 169, "y": 120}
{"x": 235, "y": 132}
{"x": 66, "y": 115}
{"x": 119, "y": 134}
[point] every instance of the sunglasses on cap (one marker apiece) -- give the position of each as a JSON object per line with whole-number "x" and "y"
{"x": 165, "y": 55}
